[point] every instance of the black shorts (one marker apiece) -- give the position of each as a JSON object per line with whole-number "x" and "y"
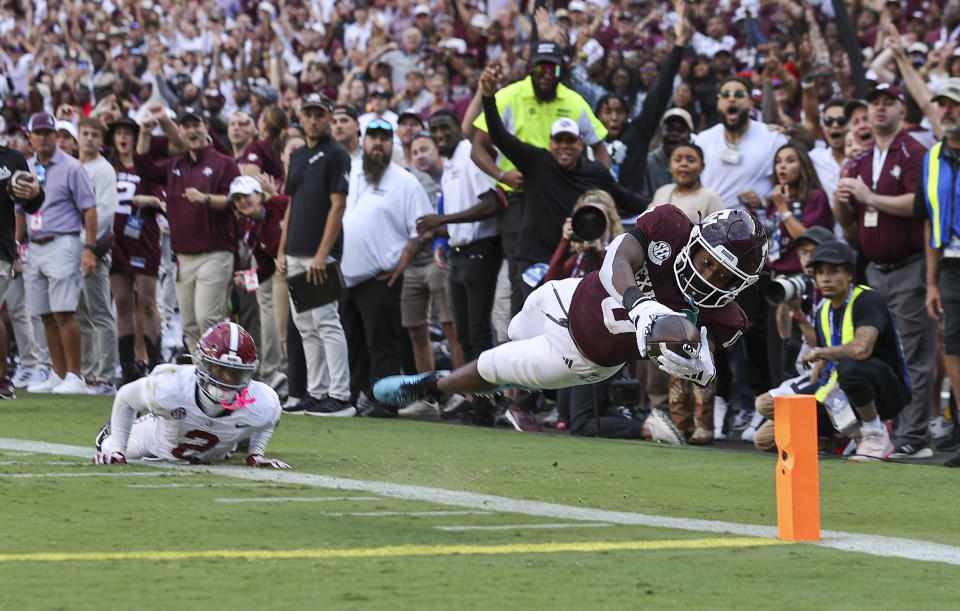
{"x": 950, "y": 293}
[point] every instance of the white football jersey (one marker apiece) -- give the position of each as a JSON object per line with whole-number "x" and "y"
{"x": 177, "y": 430}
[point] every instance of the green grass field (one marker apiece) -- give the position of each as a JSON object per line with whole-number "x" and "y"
{"x": 80, "y": 536}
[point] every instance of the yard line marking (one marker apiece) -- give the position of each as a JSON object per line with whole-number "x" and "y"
{"x": 284, "y": 499}
{"x": 90, "y": 474}
{"x": 526, "y": 526}
{"x": 876, "y": 545}
{"x": 403, "y": 550}
{"x": 41, "y": 462}
{"x": 380, "y": 514}
{"x": 210, "y": 485}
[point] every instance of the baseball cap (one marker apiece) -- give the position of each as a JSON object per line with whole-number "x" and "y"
{"x": 41, "y": 120}
{"x": 267, "y": 92}
{"x": 409, "y": 114}
{"x": 546, "y": 51}
{"x": 346, "y": 109}
{"x": 885, "y": 89}
{"x": 122, "y": 122}
{"x": 214, "y": 93}
{"x": 678, "y": 113}
{"x": 816, "y": 234}
{"x": 378, "y": 125}
{"x": 421, "y": 9}
{"x": 852, "y": 105}
{"x": 918, "y": 47}
{"x": 577, "y": 6}
{"x": 67, "y": 126}
{"x": 317, "y": 100}
{"x": 834, "y": 251}
{"x": 380, "y": 91}
{"x": 267, "y": 8}
{"x": 565, "y": 125}
{"x": 950, "y": 90}
{"x": 561, "y": 13}
{"x": 244, "y": 185}
{"x": 479, "y": 21}
{"x": 191, "y": 112}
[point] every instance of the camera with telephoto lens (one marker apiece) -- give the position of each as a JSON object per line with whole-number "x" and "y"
{"x": 588, "y": 223}
{"x": 785, "y": 289}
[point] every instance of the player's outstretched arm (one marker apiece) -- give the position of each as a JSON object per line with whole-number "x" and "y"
{"x": 258, "y": 445}
{"x": 121, "y": 421}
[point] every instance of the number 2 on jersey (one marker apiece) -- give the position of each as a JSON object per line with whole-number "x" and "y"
{"x": 210, "y": 441}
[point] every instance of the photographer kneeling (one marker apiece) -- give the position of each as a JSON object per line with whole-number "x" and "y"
{"x": 858, "y": 352}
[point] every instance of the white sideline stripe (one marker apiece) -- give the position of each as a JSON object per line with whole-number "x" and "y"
{"x": 526, "y": 526}
{"x": 41, "y": 462}
{"x": 284, "y": 499}
{"x": 210, "y": 485}
{"x": 381, "y": 514}
{"x": 876, "y": 545}
{"x": 104, "y": 474}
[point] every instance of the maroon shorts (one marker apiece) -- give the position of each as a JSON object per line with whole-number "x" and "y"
{"x": 136, "y": 255}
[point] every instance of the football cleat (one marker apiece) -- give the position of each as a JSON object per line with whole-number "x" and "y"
{"x": 401, "y": 391}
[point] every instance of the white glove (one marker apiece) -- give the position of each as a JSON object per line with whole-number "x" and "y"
{"x": 642, "y": 315}
{"x": 259, "y": 460}
{"x": 699, "y": 370}
{"x": 110, "y": 458}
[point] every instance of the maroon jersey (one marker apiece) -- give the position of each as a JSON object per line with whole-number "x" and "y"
{"x": 263, "y": 237}
{"x": 137, "y": 255}
{"x": 260, "y": 153}
{"x": 599, "y": 324}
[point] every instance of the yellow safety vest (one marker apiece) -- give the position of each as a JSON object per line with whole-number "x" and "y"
{"x": 847, "y": 331}
{"x": 940, "y": 184}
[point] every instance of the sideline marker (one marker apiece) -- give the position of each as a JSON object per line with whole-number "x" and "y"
{"x": 798, "y": 478}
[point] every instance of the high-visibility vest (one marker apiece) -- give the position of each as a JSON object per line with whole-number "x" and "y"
{"x": 940, "y": 186}
{"x": 847, "y": 331}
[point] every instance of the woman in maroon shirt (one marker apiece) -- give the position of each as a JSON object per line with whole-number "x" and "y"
{"x": 263, "y": 155}
{"x": 136, "y": 251}
{"x": 574, "y": 259}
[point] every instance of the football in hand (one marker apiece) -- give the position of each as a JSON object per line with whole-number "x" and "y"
{"x": 673, "y": 333}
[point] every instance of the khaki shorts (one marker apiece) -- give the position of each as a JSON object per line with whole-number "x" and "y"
{"x": 52, "y": 275}
{"x": 420, "y": 285}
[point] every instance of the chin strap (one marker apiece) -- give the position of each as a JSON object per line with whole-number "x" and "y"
{"x": 241, "y": 402}
{"x": 693, "y": 312}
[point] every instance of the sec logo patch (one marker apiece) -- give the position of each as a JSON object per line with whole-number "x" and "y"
{"x": 178, "y": 413}
{"x": 658, "y": 252}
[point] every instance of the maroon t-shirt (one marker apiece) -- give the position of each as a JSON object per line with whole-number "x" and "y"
{"x": 815, "y": 211}
{"x": 195, "y": 228}
{"x": 893, "y": 238}
{"x": 599, "y": 324}
{"x": 260, "y": 153}
{"x": 137, "y": 255}
{"x": 263, "y": 237}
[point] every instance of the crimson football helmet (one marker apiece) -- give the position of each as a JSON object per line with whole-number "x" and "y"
{"x": 226, "y": 360}
{"x": 737, "y": 240}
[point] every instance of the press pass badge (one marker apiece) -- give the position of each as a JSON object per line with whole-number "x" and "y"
{"x": 250, "y": 281}
{"x": 133, "y": 227}
{"x": 36, "y": 221}
{"x": 871, "y": 217}
{"x": 22, "y": 251}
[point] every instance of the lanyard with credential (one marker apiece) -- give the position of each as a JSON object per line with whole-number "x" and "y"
{"x": 836, "y": 335}
{"x": 879, "y": 159}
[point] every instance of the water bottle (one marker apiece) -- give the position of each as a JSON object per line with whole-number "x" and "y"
{"x": 841, "y": 413}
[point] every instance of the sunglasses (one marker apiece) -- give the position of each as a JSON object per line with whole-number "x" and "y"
{"x": 547, "y": 68}
{"x": 739, "y": 94}
{"x": 41, "y": 173}
{"x": 831, "y": 121}
{"x": 380, "y": 124}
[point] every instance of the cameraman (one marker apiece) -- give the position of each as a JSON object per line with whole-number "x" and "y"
{"x": 799, "y": 308}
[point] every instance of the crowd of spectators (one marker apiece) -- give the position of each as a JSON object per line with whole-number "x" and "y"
{"x": 192, "y": 155}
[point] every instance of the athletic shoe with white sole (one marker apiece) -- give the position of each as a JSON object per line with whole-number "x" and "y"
{"x": 940, "y": 427}
{"x": 72, "y": 385}
{"x": 421, "y": 409}
{"x": 293, "y": 406}
{"x": 522, "y": 419}
{"x": 21, "y": 379}
{"x": 909, "y": 450}
{"x": 663, "y": 430}
{"x": 329, "y": 407}
{"x": 101, "y": 435}
{"x": 7, "y": 389}
{"x": 401, "y": 391}
{"x": 47, "y": 384}
{"x": 872, "y": 448}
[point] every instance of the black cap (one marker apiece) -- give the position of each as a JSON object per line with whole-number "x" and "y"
{"x": 380, "y": 91}
{"x": 411, "y": 115}
{"x": 836, "y": 252}
{"x": 346, "y": 109}
{"x": 816, "y": 234}
{"x": 546, "y": 51}
{"x": 191, "y": 112}
{"x": 317, "y": 100}
{"x": 122, "y": 122}
{"x": 852, "y": 105}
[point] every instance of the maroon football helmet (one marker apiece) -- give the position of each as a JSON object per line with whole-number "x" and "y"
{"x": 738, "y": 241}
{"x": 226, "y": 360}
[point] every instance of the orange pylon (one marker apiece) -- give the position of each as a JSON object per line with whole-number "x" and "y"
{"x": 798, "y": 478}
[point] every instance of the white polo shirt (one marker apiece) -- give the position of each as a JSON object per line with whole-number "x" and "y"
{"x": 463, "y": 183}
{"x": 828, "y": 170}
{"x": 755, "y": 168}
{"x": 379, "y": 221}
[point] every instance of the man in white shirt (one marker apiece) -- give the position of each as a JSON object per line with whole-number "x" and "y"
{"x": 738, "y": 152}
{"x": 98, "y": 325}
{"x": 828, "y": 160}
{"x": 380, "y": 239}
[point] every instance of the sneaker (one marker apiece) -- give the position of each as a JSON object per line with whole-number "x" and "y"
{"x": 293, "y": 406}
{"x": 39, "y": 375}
{"x": 953, "y": 462}
{"x": 719, "y": 417}
{"x": 6, "y": 388}
{"x": 553, "y": 417}
{"x": 376, "y": 409}
{"x": 748, "y": 433}
{"x": 940, "y": 427}
{"x": 873, "y": 447}
{"x": 22, "y": 377}
{"x": 701, "y": 437}
{"x": 742, "y": 420}
{"x": 101, "y": 435}
{"x": 72, "y": 385}
{"x": 909, "y": 450}
{"x": 101, "y": 388}
{"x": 48, "y": 383}
{"x": 401, "y": 391}
{"x": 950, "y": 443}
{"x": 421, "y": 409}
{"x": 522, "y": 419}
{"x": 330, "y": 407}
{"x": 663, "y": 430}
